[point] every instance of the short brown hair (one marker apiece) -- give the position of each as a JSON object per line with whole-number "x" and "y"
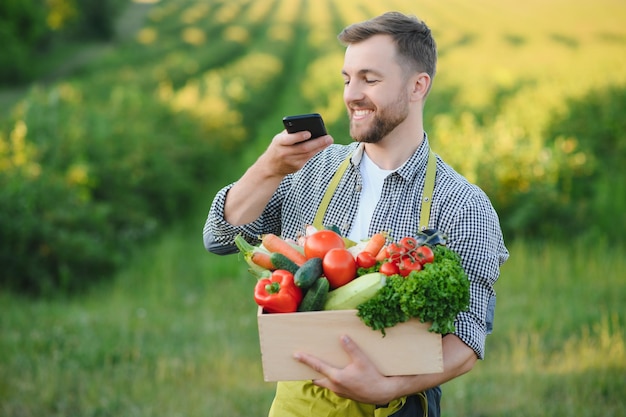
{"x": 414, "y": 40}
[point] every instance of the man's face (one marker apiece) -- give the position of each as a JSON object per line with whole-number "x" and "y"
{"x": 376, "y": 90}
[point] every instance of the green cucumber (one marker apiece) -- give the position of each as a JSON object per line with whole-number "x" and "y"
{"x": 315, "y": 296}
{"x": 280, "y": 261}
{"x": 308, "y": 273}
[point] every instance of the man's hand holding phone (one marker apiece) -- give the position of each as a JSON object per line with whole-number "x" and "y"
{"x": 294, "y": 157}
{"x": 247, "y": 198}
{"x": 283, "y": 157}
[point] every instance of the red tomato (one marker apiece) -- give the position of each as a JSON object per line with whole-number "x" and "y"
{"x": 408, "y": 243}
{"x": 389, "y": 269}
{"x": 396, "y": 248}
{"x": 319, "y": 243}
{"x": 408, "y": 265}
{"x": 395, "y": 251}
{"x": 425, "y": 255}
{"x": 339, "y": 267}
{"x": 365, "y": 260}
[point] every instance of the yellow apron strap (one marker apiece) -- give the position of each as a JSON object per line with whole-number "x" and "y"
{"x": 429, "y": 187}
{"x": 334, "y": 182}
{"x": 427, "y": 197}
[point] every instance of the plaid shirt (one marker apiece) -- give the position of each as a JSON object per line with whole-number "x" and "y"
{"x": 459, "y": 209}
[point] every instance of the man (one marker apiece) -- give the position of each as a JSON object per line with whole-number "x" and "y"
{"x": 389, "y": 65}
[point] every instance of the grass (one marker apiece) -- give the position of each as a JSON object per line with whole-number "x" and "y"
{"x": 559, "y": 346}
{"x": 175, "y": 335}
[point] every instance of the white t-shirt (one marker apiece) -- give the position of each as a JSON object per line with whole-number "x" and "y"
{"x": 373, "y": 179}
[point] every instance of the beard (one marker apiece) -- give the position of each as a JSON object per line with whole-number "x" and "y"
{"x": 385, "y": 121}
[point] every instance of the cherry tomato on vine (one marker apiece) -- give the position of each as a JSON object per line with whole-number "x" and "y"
{"x": 408, "y": 265}
{"x": 339, "y": 267}
{"x": 425, "y": 255}
{"x": 365, "y": 260}
{"x": 408, "y": 243}
{"x": 389, "y": 268}
{"x": 320, "y": 242}
{"x": 395, "y": 252}
{"x": 396, "y": 248}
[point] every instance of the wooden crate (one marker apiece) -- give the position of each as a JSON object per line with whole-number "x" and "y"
{"x": 407, "y": 349}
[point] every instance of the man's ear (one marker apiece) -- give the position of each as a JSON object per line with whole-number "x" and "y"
{"x": 420, "y": 84}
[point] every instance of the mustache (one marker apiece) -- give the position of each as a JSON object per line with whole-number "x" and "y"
{"x": 359, "y": 104}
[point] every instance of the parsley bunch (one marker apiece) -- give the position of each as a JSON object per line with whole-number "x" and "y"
{"x": 435, "y": 294}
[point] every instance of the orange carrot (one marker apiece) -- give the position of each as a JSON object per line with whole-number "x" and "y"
{"x": 273, "y": 243}
{"x": 262, "y": 259}
{"x": 382, "y": 254}
{"x": 375, "y": 244}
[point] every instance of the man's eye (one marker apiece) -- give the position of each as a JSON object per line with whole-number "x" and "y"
{"x": 371, "y": 81}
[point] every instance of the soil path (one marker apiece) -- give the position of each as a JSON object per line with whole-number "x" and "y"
{"x": 127, "y": 25}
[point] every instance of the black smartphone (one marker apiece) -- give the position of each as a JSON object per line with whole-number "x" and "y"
{"x": 312, "y": 122}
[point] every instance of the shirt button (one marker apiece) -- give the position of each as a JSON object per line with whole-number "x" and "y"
{"x": 358, "y": 188}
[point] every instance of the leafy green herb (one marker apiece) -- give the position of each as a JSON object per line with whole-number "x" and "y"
{"x": 435, "y": 294}
{"x": 365, "y": 271}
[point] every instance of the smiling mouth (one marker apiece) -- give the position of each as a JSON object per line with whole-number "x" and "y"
{"x": 361, "y": 114}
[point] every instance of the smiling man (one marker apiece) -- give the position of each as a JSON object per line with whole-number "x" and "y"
{"x": 388, "y": 70}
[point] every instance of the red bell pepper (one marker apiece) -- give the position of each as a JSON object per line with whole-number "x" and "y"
{"x": 278, "y": 293}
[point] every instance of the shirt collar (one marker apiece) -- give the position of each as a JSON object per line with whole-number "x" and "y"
{"x": 357, "y": 155}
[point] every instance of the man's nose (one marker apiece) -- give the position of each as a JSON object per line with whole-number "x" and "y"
{"x": 352, "y": 92}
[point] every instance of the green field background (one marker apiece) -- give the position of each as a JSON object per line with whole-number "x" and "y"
{"x": 172, "y": 330}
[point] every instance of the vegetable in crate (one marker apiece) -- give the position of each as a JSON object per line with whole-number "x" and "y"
{"x": 339, "y": 267}
{"x": 278, "y": 293}
{"x": 431, "y": 237}
{"x": 319, "y": 243}
{"x": 355, "y": 292}
{"x": 257, "y": 258}
{"x": 435, "y": 294}
{"x": 308, "y": 273}
{"x": 274, "y": 243}
{"x": 315, "y": 296}
{"x": 280, "y": 261}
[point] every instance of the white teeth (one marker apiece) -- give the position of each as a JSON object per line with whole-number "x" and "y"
{"x": 361, "y": 112}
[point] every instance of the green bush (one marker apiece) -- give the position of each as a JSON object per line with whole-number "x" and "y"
{"x": 94, "y": 19}
{"x": 23, "y": 32}
{"x": 551, "y": 172}
{"x": 30, "y": 31}
{"x": 591, "y": 141}
{"x": 51, "y": 236}
{"x": 570, "y": 184}
{"x": 83, "y": 181}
